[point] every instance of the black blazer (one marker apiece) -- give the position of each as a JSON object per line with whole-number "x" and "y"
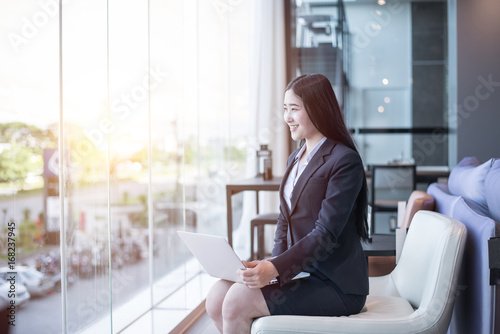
{"x": 319, "y": 233}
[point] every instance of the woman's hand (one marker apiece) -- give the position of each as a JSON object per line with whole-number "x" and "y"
{"x": 258, "y": 273}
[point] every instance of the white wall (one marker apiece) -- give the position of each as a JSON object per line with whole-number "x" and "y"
{"x": 476, "y": 110}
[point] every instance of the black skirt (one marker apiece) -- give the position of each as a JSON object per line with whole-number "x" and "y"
{"x": 311, "y": 296}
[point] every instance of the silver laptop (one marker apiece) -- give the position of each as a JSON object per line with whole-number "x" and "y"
{"x": 216, "y": 256}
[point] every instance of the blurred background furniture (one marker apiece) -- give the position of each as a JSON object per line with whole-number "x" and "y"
{"x": 431, "y": 174}
{"x": 315, "y": 29}
{"x": 390, "y": 183}
{"x": 259, "y": 223}
{"x": 419, "y": 200}
{"x": 256, "y": 184}
{"x": 418, "y": 294}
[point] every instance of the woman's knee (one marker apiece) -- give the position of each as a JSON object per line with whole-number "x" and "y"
{"x": 232, "y": 305}
{"x": 215, "y": 298}
{"x": 243, "y": 302}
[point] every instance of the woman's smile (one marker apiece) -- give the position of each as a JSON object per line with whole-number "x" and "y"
{"x": 297, "y": 119}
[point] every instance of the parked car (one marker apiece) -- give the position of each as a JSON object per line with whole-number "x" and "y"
{"x": 19, "y": 291}
{"x": 49, "y": 264}
{"x": 37, "y": 283}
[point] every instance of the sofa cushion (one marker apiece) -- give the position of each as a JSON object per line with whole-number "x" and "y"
{"x": 492, "y": 190}
{"x": 467, "y": 180}
{"x": 444, "y": 201}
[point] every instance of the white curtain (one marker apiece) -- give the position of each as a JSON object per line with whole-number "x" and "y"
{"x": 267, "y": 84}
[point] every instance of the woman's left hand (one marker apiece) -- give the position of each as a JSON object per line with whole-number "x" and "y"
{"x": 258, "y": 273}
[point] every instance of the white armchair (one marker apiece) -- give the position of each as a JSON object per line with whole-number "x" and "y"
{"x": 416, "y": 297}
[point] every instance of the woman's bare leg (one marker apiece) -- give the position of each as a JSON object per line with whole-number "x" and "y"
{"x": 240, "y": 307}
{"x": 214, "y": 301}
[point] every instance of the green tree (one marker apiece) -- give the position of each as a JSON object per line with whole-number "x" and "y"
{"x": 21, "y": 150}
{"x": 28, "y": 136}
{"x": 16, "y": 162}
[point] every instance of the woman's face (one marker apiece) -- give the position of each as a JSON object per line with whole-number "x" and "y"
{"x": 296, "y": 117}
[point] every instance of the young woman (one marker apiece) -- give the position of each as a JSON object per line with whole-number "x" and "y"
{"x": 323, "y": 206}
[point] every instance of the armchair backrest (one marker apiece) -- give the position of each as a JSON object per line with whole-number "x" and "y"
{"x": 419, "y": 200}
{"x": 427, "y": 272}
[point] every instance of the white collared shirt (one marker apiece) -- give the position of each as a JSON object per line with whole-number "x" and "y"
{"x": 296, "y": 171}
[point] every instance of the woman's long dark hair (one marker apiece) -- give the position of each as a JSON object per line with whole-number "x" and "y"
{"x": 321, "y": 105}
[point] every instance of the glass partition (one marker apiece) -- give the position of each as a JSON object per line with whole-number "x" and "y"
{"x": 29, "y": 168}
{"x": 121, "y": 123}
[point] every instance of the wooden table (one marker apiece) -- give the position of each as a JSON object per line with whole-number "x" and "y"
{"x": 256, "y": 184}
{"x": 430, "y": 174}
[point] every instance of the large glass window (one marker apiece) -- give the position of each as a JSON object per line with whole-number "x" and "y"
{"x": 110, "y": 149}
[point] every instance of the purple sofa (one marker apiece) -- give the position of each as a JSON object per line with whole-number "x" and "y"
{"x": 472, "y": 196}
